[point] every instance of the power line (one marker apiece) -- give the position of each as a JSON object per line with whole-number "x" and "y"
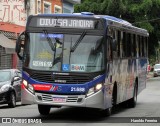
{"x": 147, "y": 21}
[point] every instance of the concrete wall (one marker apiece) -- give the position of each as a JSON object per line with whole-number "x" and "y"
{"x": 12, "y": 11}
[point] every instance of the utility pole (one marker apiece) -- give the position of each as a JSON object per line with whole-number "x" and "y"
{"x": 27, "y": 7}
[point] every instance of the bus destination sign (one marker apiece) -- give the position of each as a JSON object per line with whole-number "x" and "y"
{"x": 65, "y": 23}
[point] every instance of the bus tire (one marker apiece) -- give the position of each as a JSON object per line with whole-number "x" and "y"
{"x": 133, "y": 101}
{"x": 106, "y": 112}
{"x": 44, "y": 109}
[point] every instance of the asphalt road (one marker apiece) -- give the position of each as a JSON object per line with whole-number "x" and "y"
{"x": 148, "y": 105}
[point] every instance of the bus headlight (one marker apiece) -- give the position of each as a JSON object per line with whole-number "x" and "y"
{"x": 25, "y": 83}
{"x": 98, "y": 87}
{"x": 94, "y": 89}
{"x": 29, "y": 87}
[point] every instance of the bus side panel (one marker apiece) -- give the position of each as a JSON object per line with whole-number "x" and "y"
{"x": 142, "y": 74}
{"x": 124, "y": 75}
{"x": 121, "y": 78}
{"x": 108, "y": 86}
{"x": 132, "y": 75}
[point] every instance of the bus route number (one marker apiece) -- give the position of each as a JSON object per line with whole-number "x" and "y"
{"x": 77, "y": 89}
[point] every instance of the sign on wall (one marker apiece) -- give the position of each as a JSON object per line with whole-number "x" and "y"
{"x": 13, "y": 11}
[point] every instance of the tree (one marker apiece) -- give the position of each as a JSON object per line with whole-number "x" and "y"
{"x": 141, "y": 13}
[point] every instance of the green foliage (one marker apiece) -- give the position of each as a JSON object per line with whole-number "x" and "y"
{"x": 152, "y": 60}
{"x": 141, "y": 13}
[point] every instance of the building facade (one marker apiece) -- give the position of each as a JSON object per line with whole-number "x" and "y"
{"x": 68, "y": 5}
{"x": 12, "y": 22}
{"x": 43, "y": 6}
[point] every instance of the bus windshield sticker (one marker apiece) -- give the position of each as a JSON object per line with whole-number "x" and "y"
{"x": 65, "y": 23}
{"x": 65, "y": 67}
{"x": 60, "y": 36}
{"x": 77, "y": 67}
{"x": 44, "y": 55}
{"x": 42, "y": 64}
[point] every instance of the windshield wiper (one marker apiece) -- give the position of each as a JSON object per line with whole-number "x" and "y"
{"x": 53, "y": 47}
{"x": 78, "y": 42}
{"x": 49, "y": 40}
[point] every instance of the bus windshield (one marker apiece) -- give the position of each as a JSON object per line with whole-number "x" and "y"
{"x": 57, "y": 54}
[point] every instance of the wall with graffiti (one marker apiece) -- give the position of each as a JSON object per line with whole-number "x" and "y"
{"x": 13, "y": 11}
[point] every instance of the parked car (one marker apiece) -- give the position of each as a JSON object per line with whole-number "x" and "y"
{"x": 156, "y": 71}
{"x": 10, "y": 86}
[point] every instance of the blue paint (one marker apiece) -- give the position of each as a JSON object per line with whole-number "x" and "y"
{"x": 66, "y": 88}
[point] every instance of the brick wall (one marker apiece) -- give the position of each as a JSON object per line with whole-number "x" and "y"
{"x": 53, "y": 4}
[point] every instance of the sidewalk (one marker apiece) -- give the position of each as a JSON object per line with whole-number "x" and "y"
{"x": 149, "y": 75}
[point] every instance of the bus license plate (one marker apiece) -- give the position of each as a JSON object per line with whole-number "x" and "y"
{"x": 59, "y": 99}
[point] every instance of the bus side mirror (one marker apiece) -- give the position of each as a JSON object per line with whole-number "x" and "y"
{"x": 114, "y": 44}
{"x": 20, "y": 45}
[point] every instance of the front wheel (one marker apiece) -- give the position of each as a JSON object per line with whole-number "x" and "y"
{"x": 44, "y": 109}
{"x": 107, "y": 112}
{"x": 12, "y": 101}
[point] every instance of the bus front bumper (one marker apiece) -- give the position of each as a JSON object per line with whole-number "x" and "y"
{"x": 95, "y": 100}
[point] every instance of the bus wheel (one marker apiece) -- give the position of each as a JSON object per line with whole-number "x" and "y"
{"x": 44, "y": 109}
{"x": 107, "y": 112}
{"x": 133, "y": 101}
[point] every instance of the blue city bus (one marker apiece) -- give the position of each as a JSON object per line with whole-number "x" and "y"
{"x": 82, "y": 60}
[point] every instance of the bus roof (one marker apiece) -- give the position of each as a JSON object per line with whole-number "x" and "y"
{"x": 113, "y": 20}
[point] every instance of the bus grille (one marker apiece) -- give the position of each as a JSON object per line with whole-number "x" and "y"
{"x": 49, "y": 97}
{"x": 62, "y": 79}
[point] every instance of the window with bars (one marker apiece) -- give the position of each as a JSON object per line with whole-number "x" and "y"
{"x": 47, "y": 8}
{"x": 57, "y": 9}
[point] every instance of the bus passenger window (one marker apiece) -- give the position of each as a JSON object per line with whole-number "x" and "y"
{"x": 139, "y": 45}
{"x": 109, "y": 45}
{"x": 146, "y": 46}
{"x": 134, "y": 45}
{"x": 110, "y": 52}
{"x": 128, "y": 45}
{"x": 124, "y": 45}
{"x": 118, "y": 42}
{"x": 115, "y": 37}
{"x": 143, "y": 47}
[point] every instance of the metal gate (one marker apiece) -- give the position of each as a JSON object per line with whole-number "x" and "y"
{"x": 5, "y": 59}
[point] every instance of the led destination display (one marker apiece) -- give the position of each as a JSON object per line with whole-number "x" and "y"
{"x": 65, "y": 23}
{"x": 59, "y": 22}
